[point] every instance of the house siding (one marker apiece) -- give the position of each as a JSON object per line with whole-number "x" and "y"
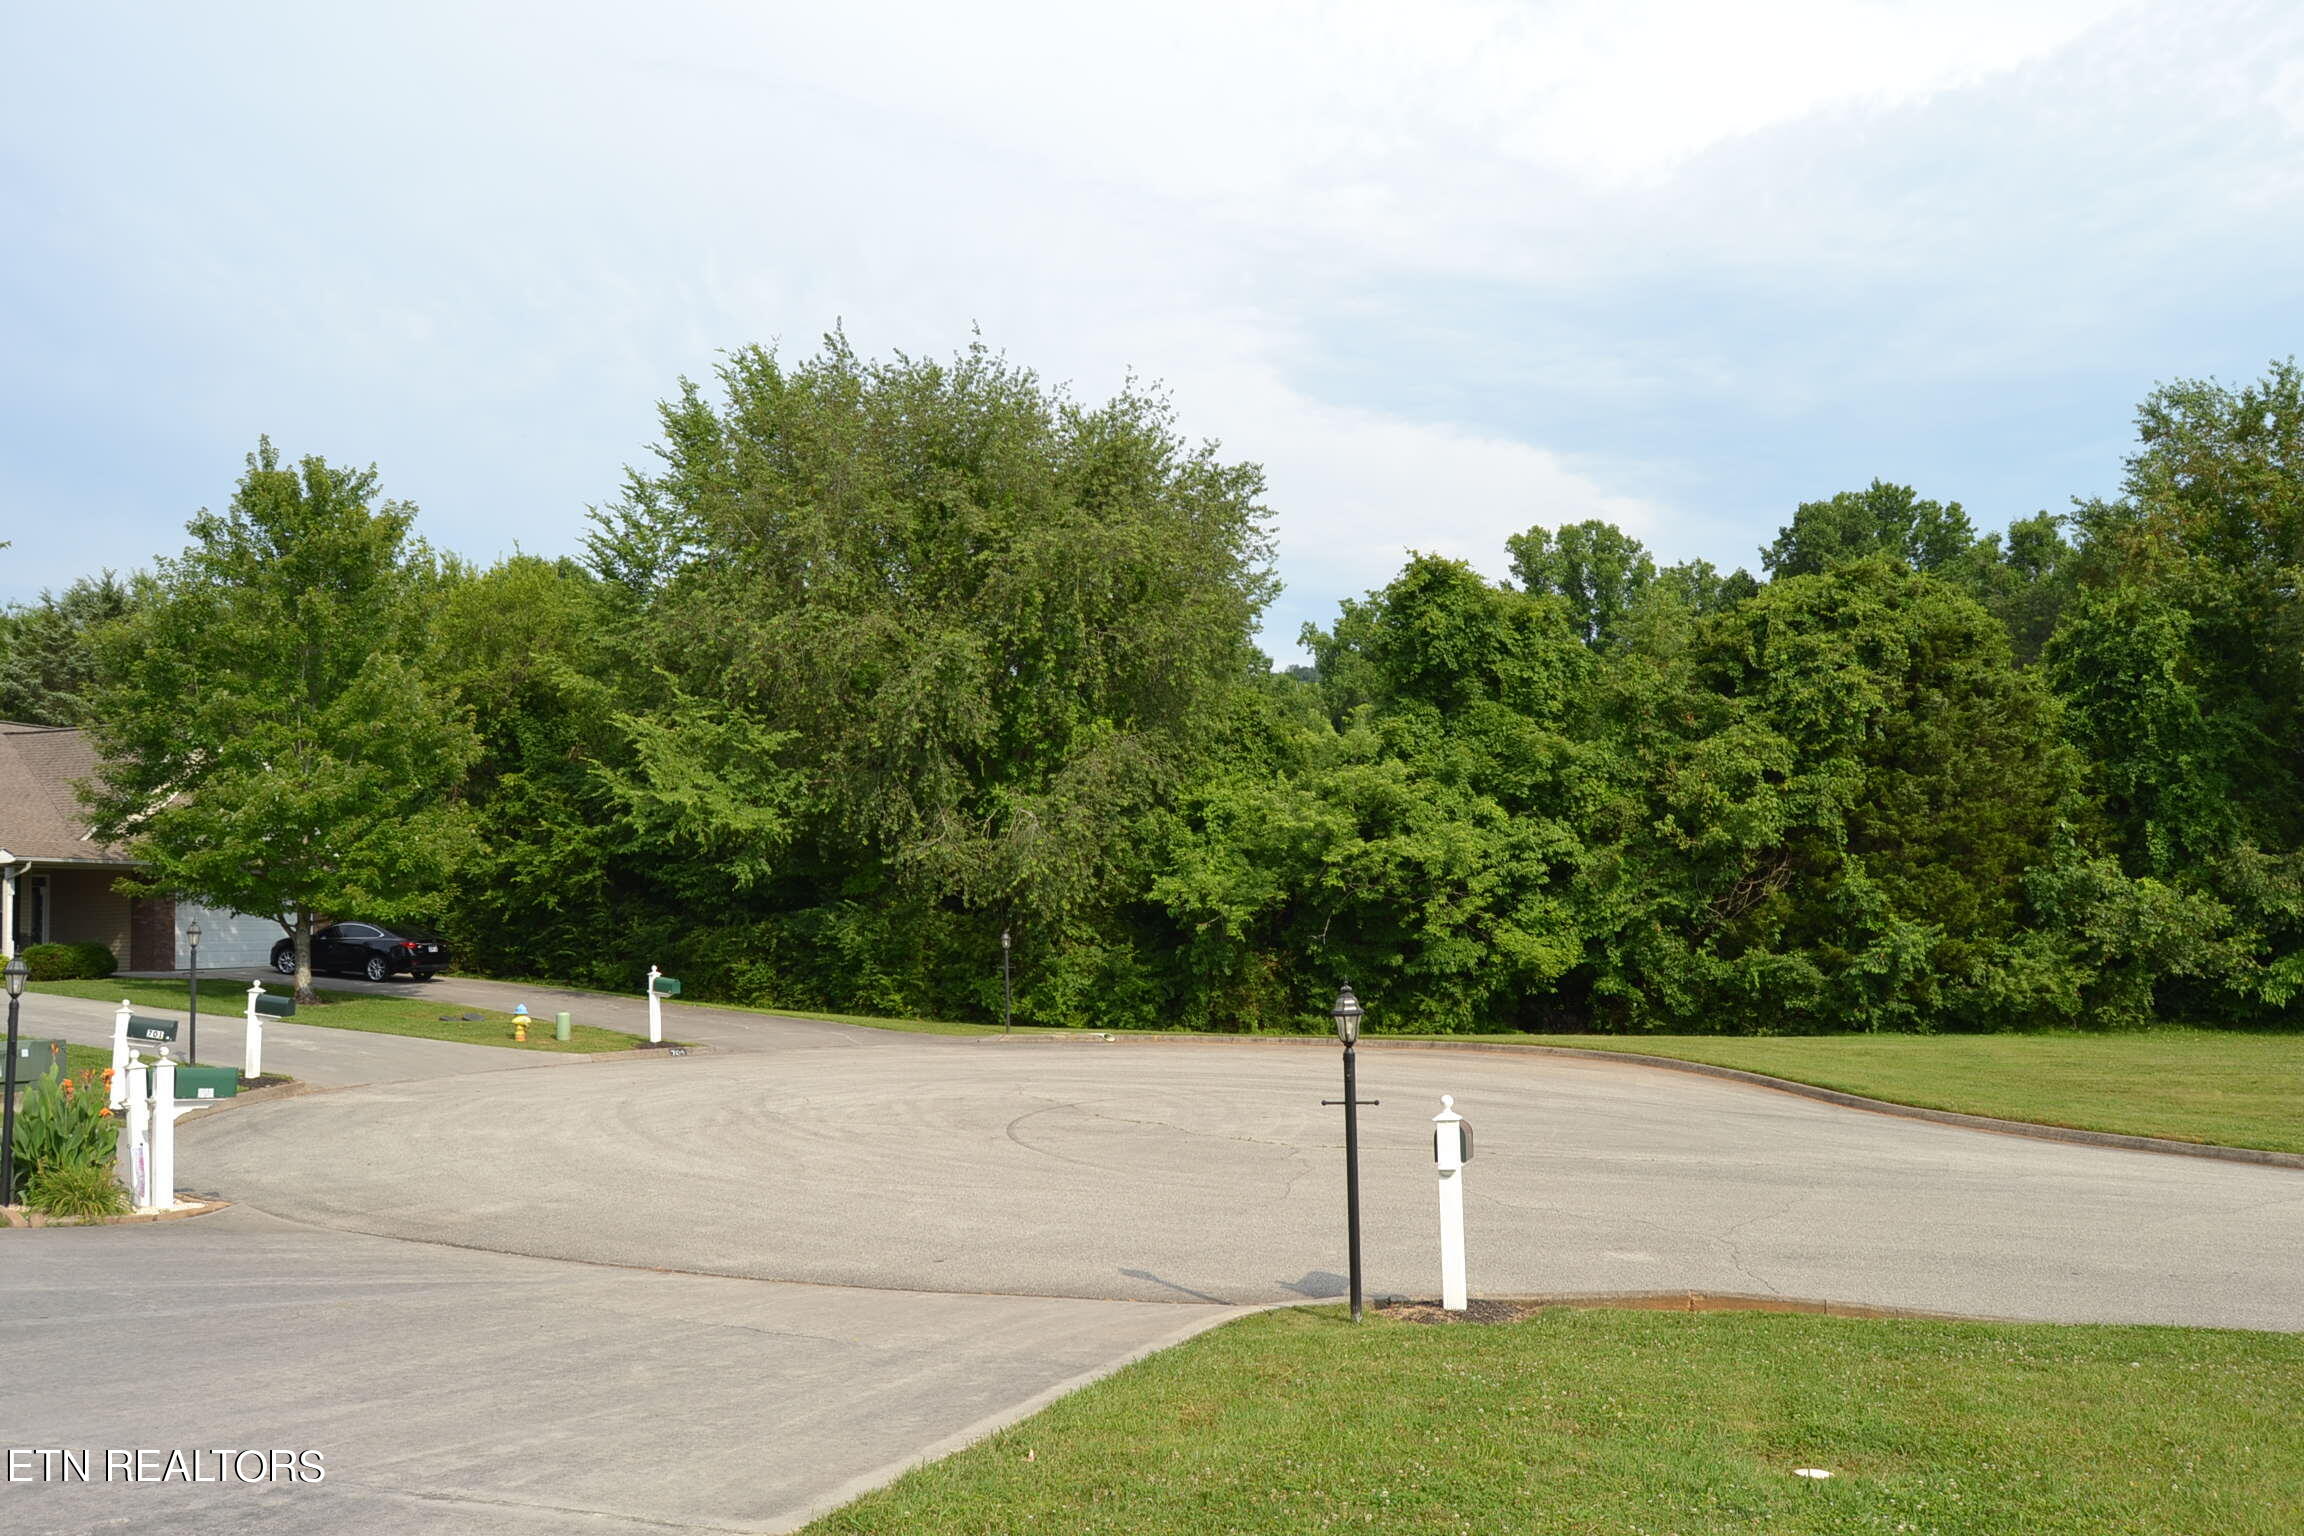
{"x": 84, "y": 909}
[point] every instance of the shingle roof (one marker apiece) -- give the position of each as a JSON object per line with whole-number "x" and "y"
{"x": 39, "y": 817}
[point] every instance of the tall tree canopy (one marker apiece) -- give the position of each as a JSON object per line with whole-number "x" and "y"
{"x": 273, "y": 738}
{"x": 930, "y": 640}
{"x": 48, "y": 666}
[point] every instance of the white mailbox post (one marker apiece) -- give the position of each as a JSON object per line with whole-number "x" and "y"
{"x": 655, "y": 1008}
{"x": 120, "y": 1053}
{"x": 136, "y": 1094}
{"x": 252, "y": 1056}
{"x": 164, "y": 1112}
{"x": 1452, "y": 1149}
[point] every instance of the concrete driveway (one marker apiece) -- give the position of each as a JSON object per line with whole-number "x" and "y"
{"x": 467, "y": 1394}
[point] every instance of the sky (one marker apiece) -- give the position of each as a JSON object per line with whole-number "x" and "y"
{"x": 1446, "y": 270}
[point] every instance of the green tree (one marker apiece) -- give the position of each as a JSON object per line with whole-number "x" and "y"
{"x": 47, "y": 662}
{"x": 1846, "y": 782}
{"x": 271, "y": 742}
{"x": 966, "y": 635}
{"x": 1881, "y": 519}
{"x": 1595, "y": 568}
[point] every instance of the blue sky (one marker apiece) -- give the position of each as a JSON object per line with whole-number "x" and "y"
{"x": 1446, "y": 270}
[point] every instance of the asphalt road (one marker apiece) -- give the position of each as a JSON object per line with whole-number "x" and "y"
{"x": 1168, "y": 1171}
{"x": 726, "y": 1290}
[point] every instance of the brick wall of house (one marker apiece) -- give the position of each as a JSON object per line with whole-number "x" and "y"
{"x": 151, "y": 934}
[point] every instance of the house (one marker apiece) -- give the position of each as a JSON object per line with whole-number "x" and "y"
{"x": 56, "y": 885}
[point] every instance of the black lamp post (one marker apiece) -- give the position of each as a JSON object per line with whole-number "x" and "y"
{"x": 17, "y": 973}
{"x": 1007, "y": 988}
{"x": 192, "y": 1042}
{"x": 1347, "y": 1016}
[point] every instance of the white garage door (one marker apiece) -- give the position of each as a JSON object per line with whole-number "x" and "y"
{"x": 229, "y": 941}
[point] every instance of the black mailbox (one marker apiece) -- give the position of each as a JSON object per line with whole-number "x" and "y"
{"x": 142, "y": 1028}
{"x": 275, "y": 1007}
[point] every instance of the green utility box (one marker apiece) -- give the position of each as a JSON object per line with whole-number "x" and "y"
{"x": 207, "y": 1082}
{"x": 33, "y": 1060}
{"x": 666, "y": 986}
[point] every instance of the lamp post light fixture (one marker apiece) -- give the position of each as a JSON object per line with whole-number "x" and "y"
{"x": 1346, "y": 1013}
{"x": 192, "y": 1033}
{"x": 17, "y": 973}
{"x": 1007, "y": 988}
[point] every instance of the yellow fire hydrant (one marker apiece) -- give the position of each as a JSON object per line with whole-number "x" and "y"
{"x": 520, "y": 1022}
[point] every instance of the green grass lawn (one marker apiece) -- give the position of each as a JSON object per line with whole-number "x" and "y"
{"x": 2236, "y": 1088}
{"x": 1591, "y": 1422}
{"x": 226, "y": 1002}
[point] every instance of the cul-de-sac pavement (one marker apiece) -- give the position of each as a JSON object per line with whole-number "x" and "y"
{"x": 727, "y": 1290}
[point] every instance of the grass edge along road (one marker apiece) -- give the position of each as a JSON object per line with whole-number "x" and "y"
{"x": 419, "y": 1017}
{"x": 1584, "y": 1420}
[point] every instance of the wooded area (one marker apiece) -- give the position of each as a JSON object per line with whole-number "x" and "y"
{"x": 881, "y": 657}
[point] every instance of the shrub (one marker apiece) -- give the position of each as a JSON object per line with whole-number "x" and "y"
{"x": 64, "y": 1125}
{"x": 83, "y": 1192}
{"x": 69, "y": 962}
{"x": 50, "y": 962}
{"x": 95, "y": 962}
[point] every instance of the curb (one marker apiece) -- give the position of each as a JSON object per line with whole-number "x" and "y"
{"x": 2070, "y": 1135}
{"x": 18, "y": 1218}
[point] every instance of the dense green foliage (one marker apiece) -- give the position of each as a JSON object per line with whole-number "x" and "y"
{"x": 881, "y": 659}
{"x": 69, "y": 962}
{"x": 273, "y": 739}
{"x": 65, "y": 1143}
{"x": 47, "y": 661}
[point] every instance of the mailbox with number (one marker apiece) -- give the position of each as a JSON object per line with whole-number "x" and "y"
{"x": 142, "y": 1028}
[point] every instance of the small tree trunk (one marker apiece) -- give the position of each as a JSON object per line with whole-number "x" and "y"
{"x": 304, "y": 992}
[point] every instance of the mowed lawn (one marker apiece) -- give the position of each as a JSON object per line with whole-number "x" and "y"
{"x": 1591, "y": 1422}
{"x": 227, "y": 1002}
{"x": 2235, "y": 1088}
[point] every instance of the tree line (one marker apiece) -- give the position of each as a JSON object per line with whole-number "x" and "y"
{"x": 879, "y": 658}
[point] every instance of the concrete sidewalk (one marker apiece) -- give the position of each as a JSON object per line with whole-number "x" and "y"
{"x": 458, "y": 1392}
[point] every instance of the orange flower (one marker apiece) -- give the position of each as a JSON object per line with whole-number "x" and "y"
{"x": 105, "y": 1113}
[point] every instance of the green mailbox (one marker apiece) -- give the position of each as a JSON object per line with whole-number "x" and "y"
{"x": 275, "y": 1007}
{"x": 35, "y": 1059}
{"x": 155, "y": 1030}
{"x": 207, "y": 1082}
{"x": 667, "y": 986}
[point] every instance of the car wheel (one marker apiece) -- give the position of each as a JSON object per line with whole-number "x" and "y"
{"x": 285, "y": 962}
{"x": 377, "y": 970}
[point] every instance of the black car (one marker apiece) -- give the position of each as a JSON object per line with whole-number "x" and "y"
{"x": 371, "y": 951}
